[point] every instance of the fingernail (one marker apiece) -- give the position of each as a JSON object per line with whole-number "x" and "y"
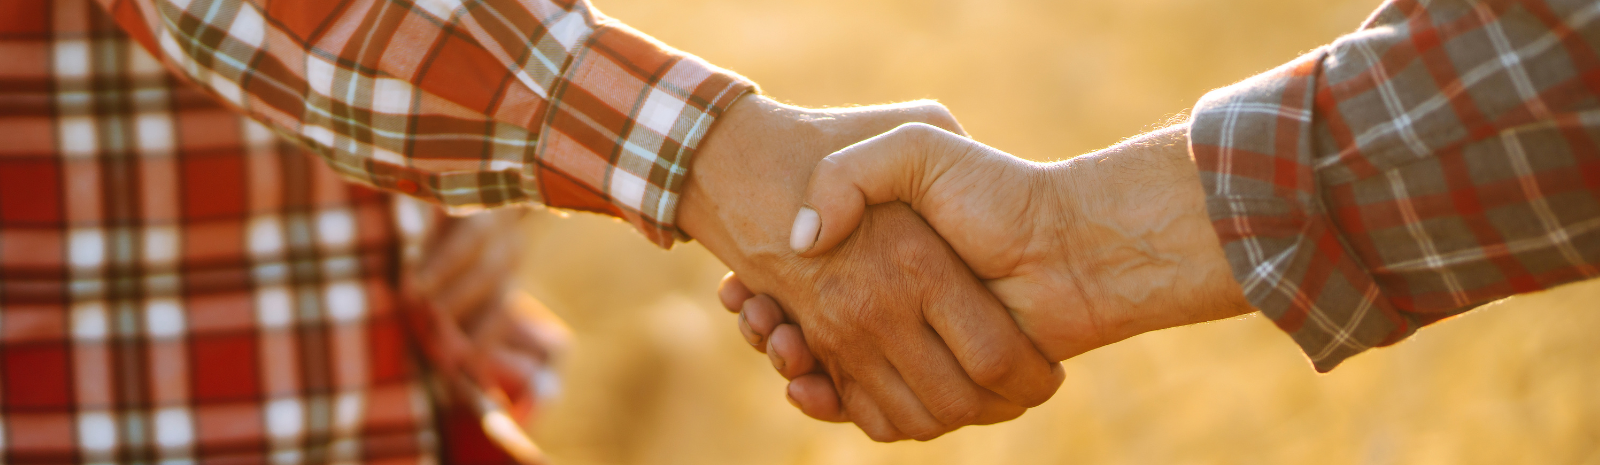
{"x": 777, "y": 360}
{"x": 788, "y": 395}
{"x": 750, "y": 335}
{"x": 807, "y": 224}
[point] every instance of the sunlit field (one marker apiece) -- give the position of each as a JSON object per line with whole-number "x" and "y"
{"x": 661, "y": 376}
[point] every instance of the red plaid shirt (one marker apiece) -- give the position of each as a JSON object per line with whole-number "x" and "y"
{"x": 180, "y": 283}
{"x": 1445, "y": 156}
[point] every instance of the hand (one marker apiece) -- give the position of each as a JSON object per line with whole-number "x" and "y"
{"x": 500, "y": 339}
{"x": 914, "y": 343}
{"x": 1083, "y": 253}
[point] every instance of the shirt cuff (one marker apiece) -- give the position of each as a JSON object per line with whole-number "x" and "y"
{"x": 1254, "y": 145}
{"x": 641, "y": 108}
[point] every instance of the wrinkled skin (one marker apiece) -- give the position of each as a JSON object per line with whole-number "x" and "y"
{"x": 917, "y": 346}
{"x": 1083, "y": 253}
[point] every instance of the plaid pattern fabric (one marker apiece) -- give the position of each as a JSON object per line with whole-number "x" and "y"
{"x": 1444, "y": 156}
{"x": 178, "y": 283}
{"x": 469, "y": 103}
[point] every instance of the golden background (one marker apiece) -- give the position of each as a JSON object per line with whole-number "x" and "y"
{"x": 660, "y": 375}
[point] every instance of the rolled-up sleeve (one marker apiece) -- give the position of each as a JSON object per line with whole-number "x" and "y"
{"x": 1444, "y": 156}
{"x": 468, "y": 103}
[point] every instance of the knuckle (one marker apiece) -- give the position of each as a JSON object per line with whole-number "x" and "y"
{"x": 992, "y": 368}
{"x": 933, "y": 106}
{"x": 911, "y": 255}
{"x": 915, "y": 131}
{"x": 956, "y": 411}
{"x": 762, "y": 318}
{"x": 831, "y": 352}
{"x": 846, "y": 312}
{"x": 936, "y": 114}
{"x": 831, "y": 167}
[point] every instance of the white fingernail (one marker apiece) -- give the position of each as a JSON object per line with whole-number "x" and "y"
{"x": 806, "y": 226}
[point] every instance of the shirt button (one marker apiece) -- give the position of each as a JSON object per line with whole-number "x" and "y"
{"x": 406, "y": 185}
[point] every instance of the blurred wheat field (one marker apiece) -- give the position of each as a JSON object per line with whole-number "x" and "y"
{"x": 661, "y": 376}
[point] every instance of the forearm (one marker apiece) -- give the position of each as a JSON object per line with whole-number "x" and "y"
{"x": 1156, "y": 261}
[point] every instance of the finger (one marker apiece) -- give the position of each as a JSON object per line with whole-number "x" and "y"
{"x": 763, "y": 315}
{"x": 733, "y": 293}
{"x": 448, "y": 344}
{"x": 465, "y": 243}
{"x": 466, "y": 362}
{"x": 536, "y": 327}
{"x": 814, "y": 395}
{"x": 469, "y": 299}
{"x": 865, "y": 412}
{"x": 990, "y": 347}
{"x": 750, "y": 336}
{"x": 935, "y": 114}
{"x": 503, "y": 341}
{"x": 896, "y": 165}
{"x": 458, "y": 247}
{"x": 515, "y": 374}
{"x": 885, "y": 117}
{"x": 897, "y": 402}
{"x": 468, "y": 289}
{"x": 508, "y": 332}
{"x": 942, "y": 385}
{"x": 997, "y": 409}
{"x": 787, "y": 350}
{"x": 518, "y": 333}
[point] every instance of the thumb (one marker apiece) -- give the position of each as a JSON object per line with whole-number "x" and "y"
{"x": 896, "y": 165}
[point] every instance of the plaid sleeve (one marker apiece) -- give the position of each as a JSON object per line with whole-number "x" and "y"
{"x": 1444, "y": 156}
{"x": 471, "y": 104}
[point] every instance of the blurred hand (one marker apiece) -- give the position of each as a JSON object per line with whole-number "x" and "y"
{"x": 1083, "y": 253}
{"x": 499, "y": 338}
{"x": 915, "y": 345}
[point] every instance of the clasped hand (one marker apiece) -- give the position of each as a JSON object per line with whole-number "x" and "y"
{"x": 1080, "y": 254}
{"x": 914, "y": 343}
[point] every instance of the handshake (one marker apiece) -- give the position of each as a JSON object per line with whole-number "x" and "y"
{"x": 913, "y": 281}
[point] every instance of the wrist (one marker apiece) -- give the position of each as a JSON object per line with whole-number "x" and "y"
{"x": 747, "y": 178}
{"x": 1161, "y": 262}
